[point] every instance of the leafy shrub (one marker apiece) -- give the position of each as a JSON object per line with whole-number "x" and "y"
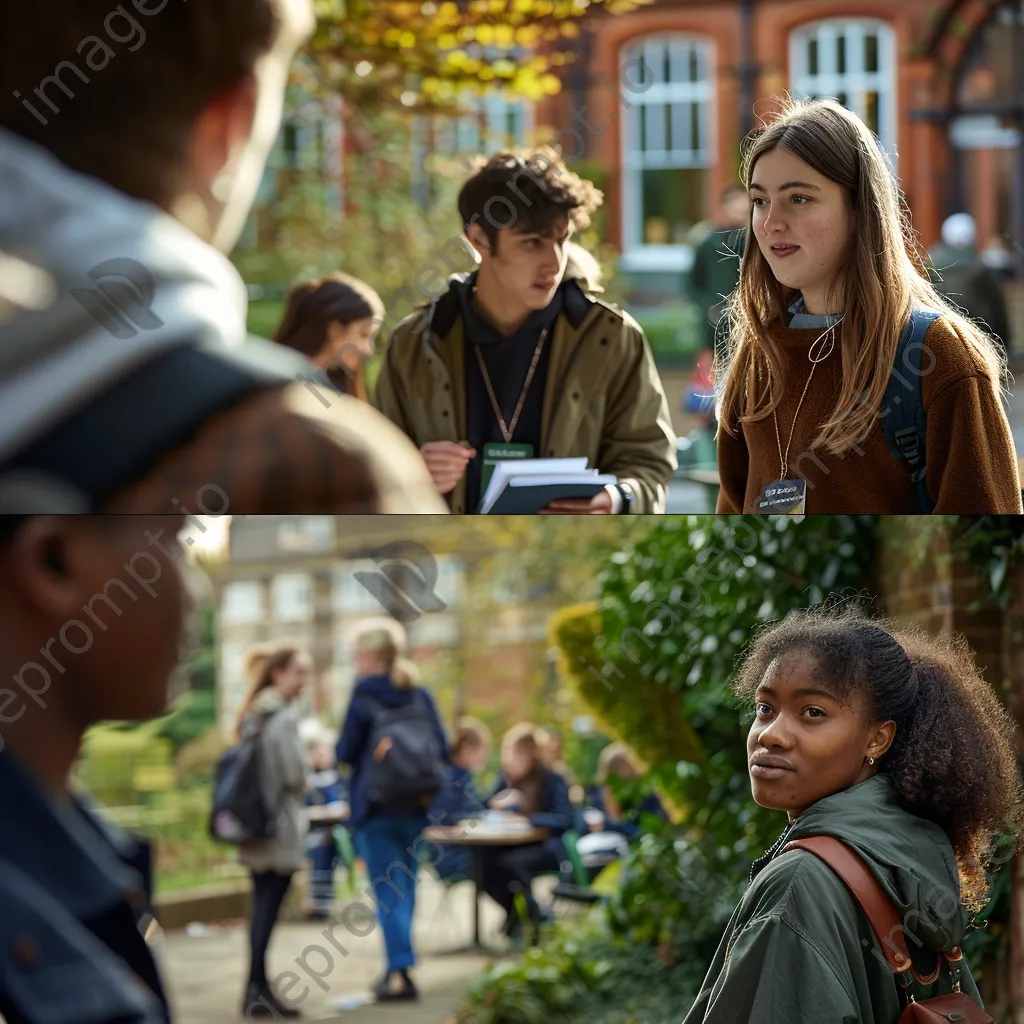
{"x": 586, "y": 974}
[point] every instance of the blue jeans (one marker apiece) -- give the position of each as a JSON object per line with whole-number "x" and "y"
{"x": 388, "y": 846}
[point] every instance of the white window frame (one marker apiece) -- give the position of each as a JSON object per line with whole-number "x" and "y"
{"x": 637, "y": 255}
{"x": 349, "y": 596}
{"x": 284, "y": 590}
{"x": 855, "y": 81}
{"x": 460, "y": 134}
{"x": 234, "y": 610}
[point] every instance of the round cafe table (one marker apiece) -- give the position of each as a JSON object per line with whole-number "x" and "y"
{"x": 328, "y": 815}
{"x": 477, "y": 835}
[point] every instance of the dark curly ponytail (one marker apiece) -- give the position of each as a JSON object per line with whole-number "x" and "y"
{"x": 952, "y": 758}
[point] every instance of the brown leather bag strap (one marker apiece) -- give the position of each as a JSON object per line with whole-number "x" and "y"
{"x": 872, "y": 898}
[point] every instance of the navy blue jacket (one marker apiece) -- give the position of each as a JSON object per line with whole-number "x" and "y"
{"x": 354, "y": 743}
{"x": 556, "y": 813}
{"x": 630, "y": 825}
{"x": 457, "y": 799}
{"x": 69, "y": 927}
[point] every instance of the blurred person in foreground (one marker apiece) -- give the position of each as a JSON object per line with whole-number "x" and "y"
{"x": 126, "y": 177}
{"x": 71, "y": 884}
{"x": 333, "y": 322}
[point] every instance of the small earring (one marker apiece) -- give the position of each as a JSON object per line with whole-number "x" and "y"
{"x": 871, "y": 760}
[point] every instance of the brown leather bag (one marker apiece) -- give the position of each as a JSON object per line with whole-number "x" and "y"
{"x": 888, "y": 927}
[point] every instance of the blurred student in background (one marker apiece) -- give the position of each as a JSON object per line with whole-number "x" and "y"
{"x": 394, "y": 740}
{"x": 334, "y": 321}
{"x": 458, "y": 800}
{"x": 552, "y": 751}
{"x": 323, "y": 786}
{"x": 526, "y": 787}
{"x": 619, "y": 762}
{"x": 278, "y": 675}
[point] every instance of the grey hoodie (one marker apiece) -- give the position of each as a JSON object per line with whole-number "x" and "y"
{"x": 799, "y": 950}
{"x": 131, "y": 283}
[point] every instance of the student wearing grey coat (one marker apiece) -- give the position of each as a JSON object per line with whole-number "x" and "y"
{"x": 278, "y": 678}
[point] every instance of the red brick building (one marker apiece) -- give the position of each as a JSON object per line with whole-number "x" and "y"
{"x": 659, "y": 100}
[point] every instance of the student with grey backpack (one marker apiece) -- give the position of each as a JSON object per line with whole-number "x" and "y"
{"x": 278, "y": 676}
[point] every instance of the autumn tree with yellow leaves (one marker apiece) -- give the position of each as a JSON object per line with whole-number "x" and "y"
{"x": 422, "y": 55}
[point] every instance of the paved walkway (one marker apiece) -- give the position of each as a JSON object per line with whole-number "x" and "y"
{"x": 205, "y": 969}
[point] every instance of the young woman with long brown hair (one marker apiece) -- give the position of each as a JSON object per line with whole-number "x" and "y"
{"x": 830, "y": 277}
{"x": 277, "y": 677}
{"x": 334, "y": 321}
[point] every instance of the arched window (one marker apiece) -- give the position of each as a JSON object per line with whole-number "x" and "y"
{"x": 852, "y": 60}
{"x": 667, "y": 83}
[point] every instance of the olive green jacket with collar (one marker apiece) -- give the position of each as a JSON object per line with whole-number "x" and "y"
{"x": 604, "y": 398}
{"x": 799, "y": 950}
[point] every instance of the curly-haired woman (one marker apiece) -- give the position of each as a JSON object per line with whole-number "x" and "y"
{"x": 891, "y": 742}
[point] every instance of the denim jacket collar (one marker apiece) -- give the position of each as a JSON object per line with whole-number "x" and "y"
{"x": 68, "y": 851}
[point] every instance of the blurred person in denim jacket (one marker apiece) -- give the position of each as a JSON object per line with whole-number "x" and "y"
{"x": 72, "y": 887}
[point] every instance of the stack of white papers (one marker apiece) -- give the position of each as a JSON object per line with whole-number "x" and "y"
{"x": 547, "y": 475}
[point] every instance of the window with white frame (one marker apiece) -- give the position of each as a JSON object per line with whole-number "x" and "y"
{"x": 242, "y": 601}
{"x": 667, "y": 148}
{"x": 486, "y": 125}
{"x": 852, "y": 60}
{"x": 348, "y": 593}
{"x": 292, "y": 597}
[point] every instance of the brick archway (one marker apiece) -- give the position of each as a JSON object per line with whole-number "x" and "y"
{"x": 954, "y": 31}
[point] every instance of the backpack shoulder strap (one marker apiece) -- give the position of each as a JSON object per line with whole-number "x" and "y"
{"x": 864, "y": 887}
{"x": 155, "y": 409}
{"x": 904, "y": 423}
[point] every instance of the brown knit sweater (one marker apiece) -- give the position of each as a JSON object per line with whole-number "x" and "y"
{"x": 972, "y": 465}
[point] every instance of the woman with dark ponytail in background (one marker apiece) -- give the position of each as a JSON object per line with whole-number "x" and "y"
{"x": 334, "y": 321}
{"x": 891, "y": 742}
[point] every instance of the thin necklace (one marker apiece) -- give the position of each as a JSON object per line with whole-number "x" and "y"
{"x": 830, "y": 334}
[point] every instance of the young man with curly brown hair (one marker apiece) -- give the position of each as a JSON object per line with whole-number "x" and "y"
{"x": 515, "y": 355}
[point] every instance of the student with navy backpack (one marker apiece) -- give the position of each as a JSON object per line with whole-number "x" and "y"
{"x": 395, "y": 743}
{"x": 848, "y": 383}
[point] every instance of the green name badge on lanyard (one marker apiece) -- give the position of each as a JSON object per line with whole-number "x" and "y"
{"x": 501, "y": 452}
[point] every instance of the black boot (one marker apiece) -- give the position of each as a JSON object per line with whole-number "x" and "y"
{"x": 260, "y": 1003}
{"x": 406, "y": 992}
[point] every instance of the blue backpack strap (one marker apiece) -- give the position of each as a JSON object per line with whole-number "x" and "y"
{"x": 904, "y": 423}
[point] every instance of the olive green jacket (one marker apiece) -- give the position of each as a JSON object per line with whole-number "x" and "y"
{"x": 799, "y": 950}
{"x": 604, "y": 398}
